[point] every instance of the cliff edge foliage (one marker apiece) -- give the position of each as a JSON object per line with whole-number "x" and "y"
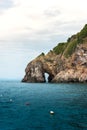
{"x": 69, "y": 47}
{"x": 67, "y": 62}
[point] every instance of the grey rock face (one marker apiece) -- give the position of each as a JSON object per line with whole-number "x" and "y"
{"x": 34, "y": 73}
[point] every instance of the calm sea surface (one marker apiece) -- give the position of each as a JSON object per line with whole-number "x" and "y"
{"x": 26, "y": 106}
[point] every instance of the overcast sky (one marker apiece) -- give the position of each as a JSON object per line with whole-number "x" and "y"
{"x": 29, "y": 27}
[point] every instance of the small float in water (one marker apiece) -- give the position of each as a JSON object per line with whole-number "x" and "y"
{"x": 52, "y": 112}
{"x": 1, "y": 95}
{"x": 27, "y": 103}
{"x": 11, "y": 100}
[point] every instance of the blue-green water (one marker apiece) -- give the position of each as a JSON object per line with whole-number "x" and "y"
{"x": 27, "y": 106}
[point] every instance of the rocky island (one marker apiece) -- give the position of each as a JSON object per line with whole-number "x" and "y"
{"x": 67, "y": 62}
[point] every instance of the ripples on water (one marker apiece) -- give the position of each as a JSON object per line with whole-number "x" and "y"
{"x": 27, "y": 106}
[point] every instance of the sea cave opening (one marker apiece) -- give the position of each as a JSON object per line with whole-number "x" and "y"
{"x": 48, "y": 77}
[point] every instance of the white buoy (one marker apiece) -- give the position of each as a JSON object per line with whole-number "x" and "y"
{"x": 51, "y": 112}
{"x": 1, "y": 95}
{"x": 11, "y": 100}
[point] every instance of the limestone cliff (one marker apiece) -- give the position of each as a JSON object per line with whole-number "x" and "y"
{"x": 67, "y": 62}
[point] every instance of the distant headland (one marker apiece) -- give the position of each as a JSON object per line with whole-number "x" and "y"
{"x": 67, "y": 62}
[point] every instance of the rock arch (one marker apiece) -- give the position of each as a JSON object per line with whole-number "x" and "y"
{"x": 48, "y": 77}
{"x": 35, "y": 72}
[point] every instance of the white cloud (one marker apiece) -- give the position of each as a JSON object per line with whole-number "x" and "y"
{"x": 28, "y": 17}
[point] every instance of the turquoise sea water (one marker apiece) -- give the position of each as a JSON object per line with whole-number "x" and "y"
{"x": 26, "y": 106}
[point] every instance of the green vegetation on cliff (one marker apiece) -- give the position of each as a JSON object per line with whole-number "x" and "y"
{"x": 81, "y": 35}
{"x": 69, "y": 47}
{"x": 59, "y": 49}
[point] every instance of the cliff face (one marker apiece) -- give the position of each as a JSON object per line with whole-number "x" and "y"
{"x": 76, "y": 67}
{"x": 67, "y": 62}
